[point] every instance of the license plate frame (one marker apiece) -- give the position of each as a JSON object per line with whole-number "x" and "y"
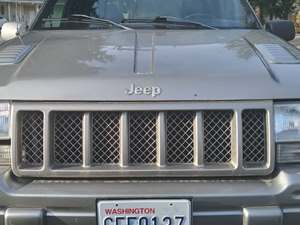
{"x": 144, "y": 212}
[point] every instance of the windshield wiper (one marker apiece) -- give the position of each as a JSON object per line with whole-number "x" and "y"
{"x": 180, "y": 21}
{"x": 91, "y": 18}
{"x": 169, "y": 20}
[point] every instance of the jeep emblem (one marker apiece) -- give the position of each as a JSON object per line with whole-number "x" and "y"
{"x": 148, "y": 91}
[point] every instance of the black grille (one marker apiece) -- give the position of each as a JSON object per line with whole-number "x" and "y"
{"x": 217, "y": 136}
{"x": 254, "y": 137}
{"x": 67, "y": 138}
{"x": 142, "y": 137}
{"x": 106, "y": 137}
{"x": 180, "y": 139}
{"x": 31, "y": 138}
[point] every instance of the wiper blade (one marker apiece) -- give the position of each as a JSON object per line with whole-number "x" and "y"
{"x": 180, "y": 21}
{"x": 91, "y": 18}
{"x": 169, "y": 20}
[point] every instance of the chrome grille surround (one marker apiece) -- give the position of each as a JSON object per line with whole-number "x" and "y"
{"x": 109, "y": 132}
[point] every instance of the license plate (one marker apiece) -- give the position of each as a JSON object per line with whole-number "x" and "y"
{"x": 144, "y": 212}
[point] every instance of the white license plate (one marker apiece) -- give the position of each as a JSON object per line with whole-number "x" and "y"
{"x": 144, "y": 212}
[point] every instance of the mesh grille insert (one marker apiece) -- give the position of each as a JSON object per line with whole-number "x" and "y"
{"x": 106, "y": 137}
{"x": 32, "y": 138}
{"x": 217, "y": 136}
{"x": 254, "y": 137}
{"x": 180, "y": 143}
{"x": 68, "y": 138}
{"x": 142, "y": 137}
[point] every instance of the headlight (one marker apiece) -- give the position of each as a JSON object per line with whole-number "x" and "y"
{"x": 287, "y": 130}
{"x": 4, "y": 120}
{"x": 4, "y": 133}
{"x": 287, "y": 122}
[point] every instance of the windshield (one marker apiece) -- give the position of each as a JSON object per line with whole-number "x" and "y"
{"x": 222, "y": 14}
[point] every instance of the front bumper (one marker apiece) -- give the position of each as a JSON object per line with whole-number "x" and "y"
{"x": 274, "y": 201}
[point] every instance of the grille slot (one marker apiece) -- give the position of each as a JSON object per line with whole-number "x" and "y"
{"x": 180, "y": 141}
{"x": 67, "y": 138}
{"x": 106, "y": 137}
{"x": 142, "y": 137}
{"x": 254, "y": 137}
{"x": 31, "y": 143}
{"x": 104, "y": 140}
{"x": 217, "y": 136}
